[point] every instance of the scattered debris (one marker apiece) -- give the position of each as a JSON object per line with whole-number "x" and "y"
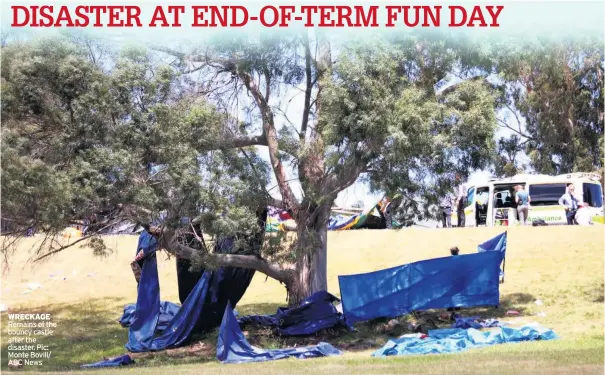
{"x": 512, "y": 313}
{"x": 539, "y": 303}
{"x": 541, "y": 313}
{"x": 26, "y": 292}
{"x": 92, "y": 274}
{"x": 34, "y": 286}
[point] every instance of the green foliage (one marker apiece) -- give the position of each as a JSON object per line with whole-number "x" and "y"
{"x": 557, "y": 89}
{"x": 78, "y": 142}
{"x": 384, "y": 110}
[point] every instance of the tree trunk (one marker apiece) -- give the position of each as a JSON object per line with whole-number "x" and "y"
{"x": 311, "y": 271}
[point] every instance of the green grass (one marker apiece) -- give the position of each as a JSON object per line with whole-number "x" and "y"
{"x": 561, "y": 266}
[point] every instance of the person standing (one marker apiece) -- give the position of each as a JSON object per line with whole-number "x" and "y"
{"x": 571, "y": 204}
{"x": 522, "y": 198}
{"x": 445, "y": 206}
{"x": 461, "y": 201}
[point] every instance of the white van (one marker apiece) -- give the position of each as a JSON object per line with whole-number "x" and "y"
{"x": 493, "y": 203}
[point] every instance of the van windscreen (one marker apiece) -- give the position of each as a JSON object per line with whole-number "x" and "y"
{"x": 546, "y": 194}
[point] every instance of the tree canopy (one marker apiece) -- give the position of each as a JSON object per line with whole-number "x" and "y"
{"x": 554, "y": 96}
{"x": 135, "y": 134}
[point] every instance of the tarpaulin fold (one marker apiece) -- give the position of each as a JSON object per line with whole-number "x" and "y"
{"x": 454, "y": 340}
{"x": 457, "y": 281}
{"x": 476, "y": 322}
{"x": 232, "y": 346}
{"x": 314, "y": 314}
{"x": 122, "y": 360}
{"x": 168, "y": 311}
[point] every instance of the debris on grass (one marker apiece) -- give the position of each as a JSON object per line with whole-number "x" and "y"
{"x": 34, "y": 286}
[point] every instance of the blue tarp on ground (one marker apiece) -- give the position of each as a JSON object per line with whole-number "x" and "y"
{"x": 456, "y": 281}
{"x": 168, "y": 311}
{"x": 312, "y": 315}
{"x": 454, "y": 340}
{"x": 122, "y": 360}
{"x": 476, "y": 322}
{"x": 232, "y": 346}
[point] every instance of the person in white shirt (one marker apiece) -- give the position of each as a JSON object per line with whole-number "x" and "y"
{"x": 583, "y": 216}
{"x": 571, "y": 203}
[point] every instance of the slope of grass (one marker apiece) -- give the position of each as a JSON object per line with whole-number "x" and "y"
{"x": 560, "y": 266}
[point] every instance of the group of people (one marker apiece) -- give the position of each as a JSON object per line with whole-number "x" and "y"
{"x": 574, "y": 208}
{"x": 459, "y": 202}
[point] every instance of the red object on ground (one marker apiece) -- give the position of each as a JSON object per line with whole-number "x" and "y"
{"x": 284, "y": 215}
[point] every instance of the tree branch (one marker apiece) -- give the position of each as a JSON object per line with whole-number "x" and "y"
{"x": 270, "y": 134}
{"x": 171, "y": 244}
{"x": 308, "y": 90}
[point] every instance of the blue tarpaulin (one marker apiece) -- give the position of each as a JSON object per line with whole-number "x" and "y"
{"x": 122, "y": 360}
{"x": 456, "y": 281}
{"x": 312, "y": 315}
{"x": 497, "y": 243}
{"x": 454, "y": 340}
{"x": 232, "y": 346}
{"x": 202, "y": 309}
{"x": 142, "y": 330}
{"x": 476, "y": 322}
{"x": 168, "y": 311}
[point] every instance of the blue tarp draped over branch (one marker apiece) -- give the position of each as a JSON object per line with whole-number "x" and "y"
{"x": 458, "y": 281}
{"x": 150, "y": 328}
{"x": 312, "y": 315}
{"x": 232, "y": 346}
{"x": 454, "y": 340}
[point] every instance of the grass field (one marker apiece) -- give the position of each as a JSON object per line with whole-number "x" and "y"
{"x": 560, "y": 266}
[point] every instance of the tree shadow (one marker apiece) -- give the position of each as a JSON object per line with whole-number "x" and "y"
{"x": 509, "y": 302}
{"x": 88, "y": 332}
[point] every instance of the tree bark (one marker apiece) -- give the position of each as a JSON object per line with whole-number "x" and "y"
{"x": 310, "y": 275}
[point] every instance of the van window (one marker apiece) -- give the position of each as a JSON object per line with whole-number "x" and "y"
{"x": 470, "y": 196}
{"x": 504, "y": 199}
{"x": 546, "y": 194}
{"x": 592, "y": 194}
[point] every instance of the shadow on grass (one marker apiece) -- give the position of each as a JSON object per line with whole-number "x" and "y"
{"x": 87, "y": 332}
